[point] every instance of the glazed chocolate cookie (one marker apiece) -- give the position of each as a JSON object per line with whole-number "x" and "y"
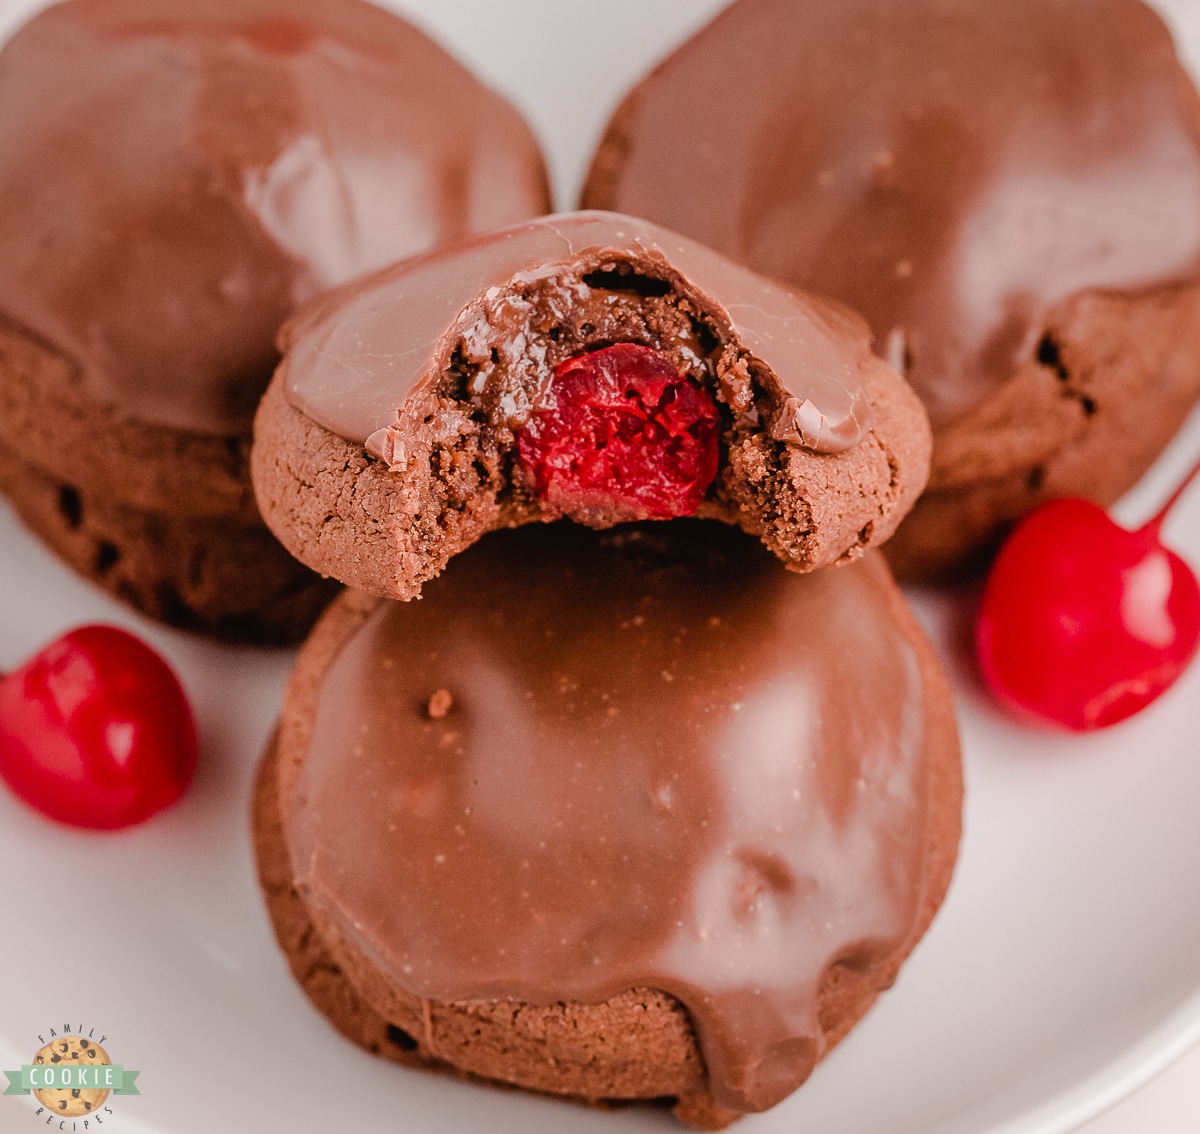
{"x": 1009, "y": 192}
{"x": 587, "y": 365}
{"x": 175, "y": 179}
{"x": 524, "y": 827}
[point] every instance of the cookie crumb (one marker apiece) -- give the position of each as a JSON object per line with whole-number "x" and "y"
{"x": 440, "y": 704}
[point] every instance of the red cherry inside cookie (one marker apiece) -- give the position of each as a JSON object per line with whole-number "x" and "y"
{"x": 1084, "y": 623}
{"x": 626, "y": 434}
{"x": 95, "y": 730}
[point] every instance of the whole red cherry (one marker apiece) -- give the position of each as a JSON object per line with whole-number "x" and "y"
{"x": 1083, "y": 623}
{"x": 96, "y": 731}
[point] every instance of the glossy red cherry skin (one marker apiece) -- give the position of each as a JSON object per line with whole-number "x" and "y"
{"x": 96, "y": 731}
{"x": 1082, "y": 622}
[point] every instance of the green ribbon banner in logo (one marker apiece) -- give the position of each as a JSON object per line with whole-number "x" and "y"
{"x": 72, "y": 1076}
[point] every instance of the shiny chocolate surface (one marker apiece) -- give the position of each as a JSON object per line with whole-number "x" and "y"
{"x": 175, "y": 178}
{"x": 355, "y": 358}
{"x": 651, "y": 758}
{"x": 950, "y": 168}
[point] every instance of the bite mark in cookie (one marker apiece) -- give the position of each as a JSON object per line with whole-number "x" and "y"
{"x": 445, "y": 397}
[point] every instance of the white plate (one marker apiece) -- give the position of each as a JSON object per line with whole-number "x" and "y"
{"x": 1063, "y": 971}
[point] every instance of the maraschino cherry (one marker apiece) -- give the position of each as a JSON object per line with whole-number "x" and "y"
{"x": 1083, "y": 623}
{"x": 95, "y": 730}
{"x": 626, "y": 434}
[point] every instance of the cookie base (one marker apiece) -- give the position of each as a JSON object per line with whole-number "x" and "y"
{"x": 233, "y": 582}
{"x": 163, "y": 520}
{"x": 1114, "y": 377}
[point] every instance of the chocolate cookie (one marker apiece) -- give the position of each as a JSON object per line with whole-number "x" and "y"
{"x": 587, "y": 365}
{"x": 175, "y": 179}
{"x": 525, "y": 827}
{"x": 1010, "y": 193}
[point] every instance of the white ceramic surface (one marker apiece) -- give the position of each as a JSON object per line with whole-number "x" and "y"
{"x": 1063, "y": 971}
{"x": 1168, "y": 1104}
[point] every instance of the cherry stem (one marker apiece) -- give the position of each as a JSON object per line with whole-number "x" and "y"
{"x": 1153, "y": 526}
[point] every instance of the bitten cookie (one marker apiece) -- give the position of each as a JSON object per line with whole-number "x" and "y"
{"x": 175, "y": 179}
{"x": 615, "y": 816}
{"x": 1009, "y": 192}
{"x": 587, "y": 365}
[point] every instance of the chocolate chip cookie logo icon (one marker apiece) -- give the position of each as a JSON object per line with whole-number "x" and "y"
{"x": 72, "y": 1076}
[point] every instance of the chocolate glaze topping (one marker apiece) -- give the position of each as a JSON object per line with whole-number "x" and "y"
{"x": 357, "y": 356}
{"x": 648, "y": 759}
{"x": 951, "y": 168}
{"x": 175, "y": 177}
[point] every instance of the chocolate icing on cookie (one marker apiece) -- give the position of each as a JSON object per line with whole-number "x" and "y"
{"x": 664, "y": 762}
{"x": 951, "y": 168}
{"x": 176, "y": 177}
{"x": 355, "y": 358}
